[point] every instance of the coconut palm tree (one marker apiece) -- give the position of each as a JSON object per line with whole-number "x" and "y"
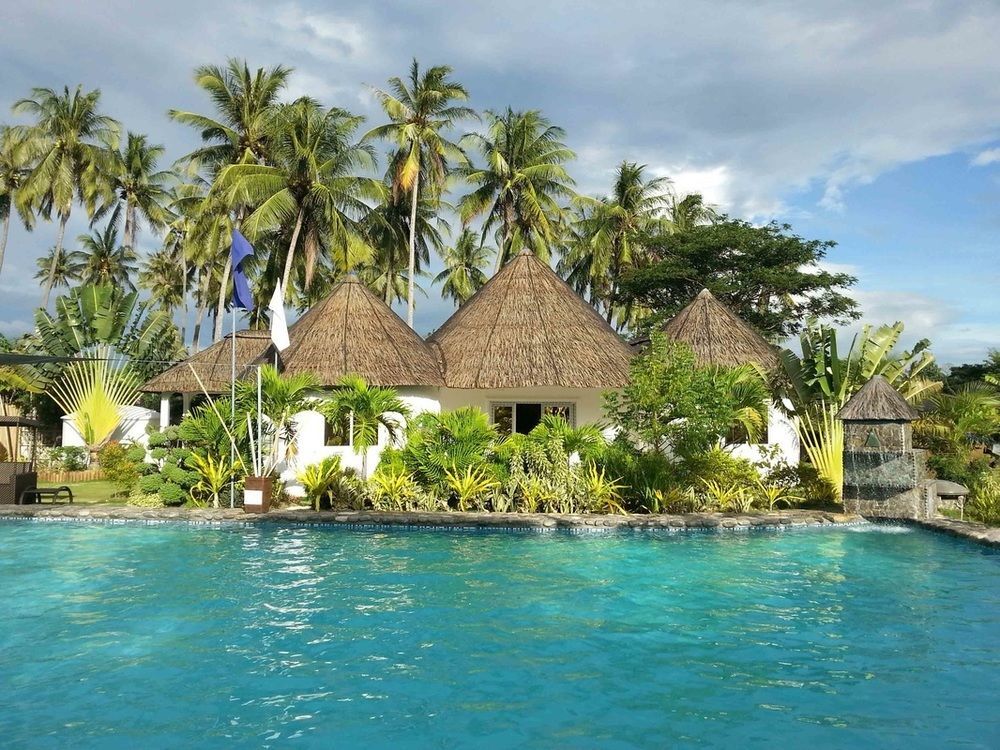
{"x": 421, "y": 110}
{"x": 366, "y": 408}
{"x": 387, "y": 227}
{"x": 612, "y": 235}
{"x": 17, "y": 157}
{"x": 311, "y": 184}
{"x": 68, "y": 266}
{"x": 684, "y": 214}
{"x": 74, "y": 142}
{"x": 243, "y": 102}
{"x": 955, "y": 422}
{"x": 139, "y": 187}
{"x": 521, "y": 184}
{"x": 163, "y": 277}
{"x": 464, "y": 267}
{"x": 238, "y": 132}
{"x": 104, "y": 260}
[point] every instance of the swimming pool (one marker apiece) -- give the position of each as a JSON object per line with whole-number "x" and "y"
{"x": 177, "y": 636}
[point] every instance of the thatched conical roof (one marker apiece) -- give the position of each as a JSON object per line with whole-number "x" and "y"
{"x": 213, "y": 365}
{"x": 526, "y": 328}
{"x": 353, "y": 332}
{"x": 718, "y": 336}
{"x": 877, "y": 401}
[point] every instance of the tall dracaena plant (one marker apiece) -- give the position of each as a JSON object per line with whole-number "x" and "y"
{"x": 94, "y": 392}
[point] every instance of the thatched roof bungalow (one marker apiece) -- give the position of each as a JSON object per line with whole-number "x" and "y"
{"x": 718, "y": 336}
{"x": 353, "y": 332}
{"x": 212, "y": 365}
{"x": 526, "y": 344}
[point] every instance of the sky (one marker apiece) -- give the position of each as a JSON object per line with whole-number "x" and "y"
{"x": 874, "y": 124}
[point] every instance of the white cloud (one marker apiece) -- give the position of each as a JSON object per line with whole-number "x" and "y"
{"x": 989, "y": 156}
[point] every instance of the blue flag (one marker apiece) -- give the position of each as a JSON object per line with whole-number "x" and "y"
{"x": 239, "y": 252}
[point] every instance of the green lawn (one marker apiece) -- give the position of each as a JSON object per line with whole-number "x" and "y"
{"x": 99, "y": 491}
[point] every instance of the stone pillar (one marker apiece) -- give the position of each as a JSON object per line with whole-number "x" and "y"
{"x": 186, "y": 399}
{"x": 164, "y": 411}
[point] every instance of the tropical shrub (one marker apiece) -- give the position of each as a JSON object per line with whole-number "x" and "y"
{"x": 721, "y": 496}
{"x": 452, "y": 441}
{"x": 770, "y": 497}
{"x": 65, "y": 458}
{"x": 603, "y": 492}
{"x": 720, "y": 466}
{"x": 983, "y": 503}
{"x": 471, "y": 487}
{"x": 145, "y": 500}
{"x": 392, "y": 488}
{"x": 118, "y": 468}
{"x": 327, "y": 484}
{"x": 214, "y": 474}
{"x": 647, "y": 479}
{"x": 671, "y": 405}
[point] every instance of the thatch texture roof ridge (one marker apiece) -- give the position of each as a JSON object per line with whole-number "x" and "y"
{"x": 718, "y": 336}
{"x": 213, "y": 365}
{"x": 877, "y": 401}
{"x": 527, "y": 328}
{"x": 353, "y": 332}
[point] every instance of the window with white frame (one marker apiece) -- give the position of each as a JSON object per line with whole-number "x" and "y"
{"x": 523, "y": 416}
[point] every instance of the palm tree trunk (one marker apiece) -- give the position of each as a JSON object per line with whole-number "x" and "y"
{"x": 413, "y": 249}
{"x": 220, "y": 308}
{"x": 56, "y": 254}
{"x": 196, "y": 337}
{"x": 508, "y": 220}
{"x": 129, "y": 234}
{"x": 291, "y": 253}
{"x": 3, "y": 239}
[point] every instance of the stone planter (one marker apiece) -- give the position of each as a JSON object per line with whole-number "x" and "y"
{"x": 257, "y": 494}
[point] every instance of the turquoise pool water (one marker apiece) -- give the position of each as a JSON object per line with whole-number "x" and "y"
{"x": 120, "y": 636}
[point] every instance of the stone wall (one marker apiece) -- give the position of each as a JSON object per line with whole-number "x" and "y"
{"x": 886, "y": 484}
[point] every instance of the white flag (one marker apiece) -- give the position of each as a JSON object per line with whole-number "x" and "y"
{"x": 279, "y": 329}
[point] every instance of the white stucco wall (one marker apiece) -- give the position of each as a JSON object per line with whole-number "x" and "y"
{"x": 135, "y": 420}
{"x": 780, "y": 433}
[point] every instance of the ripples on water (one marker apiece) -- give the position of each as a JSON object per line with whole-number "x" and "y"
{"x": 169, "y": 636}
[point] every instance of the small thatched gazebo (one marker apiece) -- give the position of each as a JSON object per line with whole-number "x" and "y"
{"x": 353, "y": 332}
{"x": 527, "y": 328}
{"x": 877, "y": 401}
{"x": 718, "y": 336}
{"x": 213, "y": 367}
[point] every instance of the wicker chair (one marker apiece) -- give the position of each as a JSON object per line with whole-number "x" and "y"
{"x": 15, "y": 478}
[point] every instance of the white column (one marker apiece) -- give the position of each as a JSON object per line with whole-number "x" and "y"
{"x": 164, "y": 411}
{"x": 187, "y": 403}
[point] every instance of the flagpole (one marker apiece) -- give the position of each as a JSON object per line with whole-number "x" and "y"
{"x": 260, "y": 420}
{"x": 232, "y": 413}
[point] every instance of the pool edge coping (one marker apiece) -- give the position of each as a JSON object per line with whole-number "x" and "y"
{"x": 437, "y": 520}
